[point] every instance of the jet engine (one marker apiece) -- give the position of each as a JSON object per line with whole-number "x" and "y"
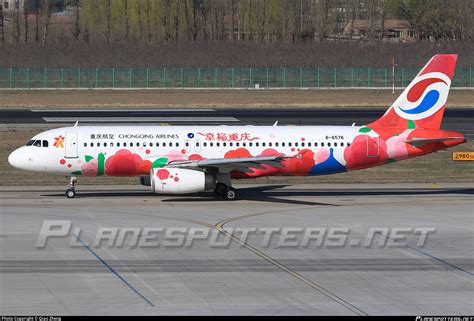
{"x": 169, "y": 180}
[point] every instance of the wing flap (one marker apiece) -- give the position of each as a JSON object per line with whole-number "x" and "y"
{"x": 244, "y": 164}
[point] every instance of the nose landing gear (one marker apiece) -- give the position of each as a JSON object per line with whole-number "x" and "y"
{"x": 71, "y": 191}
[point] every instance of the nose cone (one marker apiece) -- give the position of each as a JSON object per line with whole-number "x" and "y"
{"x": 16, "y": 159}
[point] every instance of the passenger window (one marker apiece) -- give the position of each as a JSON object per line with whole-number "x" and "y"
{"x": 85, "y": 144}
{"x": 111, "y": 144}
{"x": 348, "y": 144}
{"x": 244, "y": 144}
{"x": 92, "y": 144}
{"x": 170, "y": 144}
{"x": 257, "y": 143}
{"x": 316, "y": 144}
{"x": 296, "y": 144}
{"x": 282, "y": 144}
{"x": 250, "y": 144}
{"x": 224, "y": 144}
{"x": 125, "y": 144}
{"x": 177, "y": 144}
{"x": 309, "y": 144}
{"x": 212, "y": 144}
{"x": 118, "y": 144}
{"x": 270, "y": 144}
{"x": 342, "y": 144}
{"x": 335, "y": 144}
{"x": 276, "y": 144}
{"x": 231, "y": 144}
{"x": 98, "y": 144}
{"x": 138, "y": 144}
{"x": 105, "y": 144}
{"x": 302, "y": 144}
{"x": 237, "y": 144}
{"x": 218, "y": 144}
{"x": 322, "y": 144}
{"x": 263, "y": 144}
{"x": 289, "y": 144}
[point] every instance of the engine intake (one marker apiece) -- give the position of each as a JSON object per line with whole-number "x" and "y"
{"x": 169, "y": 180}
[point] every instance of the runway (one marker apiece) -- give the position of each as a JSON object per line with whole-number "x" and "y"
{"x": 253, "y": 275}
{"x": 457, "y": 119}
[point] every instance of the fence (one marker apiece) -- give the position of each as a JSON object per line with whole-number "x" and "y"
{"x": 11, "y": 78}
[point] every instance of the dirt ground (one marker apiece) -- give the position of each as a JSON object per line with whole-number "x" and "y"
{"x": 433, "y": 168}
{"x": 211, "y": 98}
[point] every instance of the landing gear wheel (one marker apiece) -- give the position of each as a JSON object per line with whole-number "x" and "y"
{"x": 230, "y": 194}
{"x": 70, "y": 193}
{"x": 220, "y": 189}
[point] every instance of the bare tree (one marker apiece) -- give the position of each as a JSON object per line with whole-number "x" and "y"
{"x": 76, "y": 31}
{"x": 148, "y": 19}
{"x": 188, "y": 19}
{"x": 127, "y": 19}
{"x": 264, "y": 22}
{"x": 166, "y": 9}
{"x": 46, "y": 17}
{"x": 140, "y": 21}
{"x": 195, "y": 27}
{"x": 232, "y": 25}
{"x": 37, "y": 13}
{"x": 176, "y": 20}
{"x": 25, "y": 21}
{"x": 107, "y": 32}
{"x": 2, "y": 32}
{"x": 16, "y": 23}
{"x": 322, "y": 18}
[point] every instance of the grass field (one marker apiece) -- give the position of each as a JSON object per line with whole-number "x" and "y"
{"x": 433, "y": 168}
{"x": 311, "y": 98}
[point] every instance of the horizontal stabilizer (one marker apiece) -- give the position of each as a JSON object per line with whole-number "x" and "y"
{"x": 416, "y": 141}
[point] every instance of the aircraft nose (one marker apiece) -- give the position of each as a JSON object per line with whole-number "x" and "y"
{"x": 16, "y": 158}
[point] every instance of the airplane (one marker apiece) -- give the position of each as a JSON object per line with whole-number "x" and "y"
{"x": 190, "y": 159}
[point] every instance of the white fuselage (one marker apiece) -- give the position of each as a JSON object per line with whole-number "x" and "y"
{"x": 83, "y": 143}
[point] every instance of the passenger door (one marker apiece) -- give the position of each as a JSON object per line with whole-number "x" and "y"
{"x": 70, "y": 150}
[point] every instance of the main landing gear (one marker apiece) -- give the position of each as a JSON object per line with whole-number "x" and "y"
{"x": 71, "y": 191}
{"x": 229, "y": 193}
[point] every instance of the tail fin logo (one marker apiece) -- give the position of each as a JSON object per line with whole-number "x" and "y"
{"x": 424, "y": 96}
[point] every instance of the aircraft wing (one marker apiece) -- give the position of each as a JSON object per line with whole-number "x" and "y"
{"x": 244, "y": 164}
{"x": 417, "y": 141}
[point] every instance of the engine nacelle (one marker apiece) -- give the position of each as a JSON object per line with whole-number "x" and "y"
{"x": 170, "y": 180}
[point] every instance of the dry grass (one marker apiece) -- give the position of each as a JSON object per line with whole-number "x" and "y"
{"x": 211, "y": 98}
{"x": 433, "y": 168}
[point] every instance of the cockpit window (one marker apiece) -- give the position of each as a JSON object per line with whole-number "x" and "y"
{"x": 37, "y": 143}
{"x": 30, "y": 143}
{"x": 45, "y": 143}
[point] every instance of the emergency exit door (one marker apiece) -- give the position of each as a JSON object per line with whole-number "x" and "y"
{"x": 373, "y": 146}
